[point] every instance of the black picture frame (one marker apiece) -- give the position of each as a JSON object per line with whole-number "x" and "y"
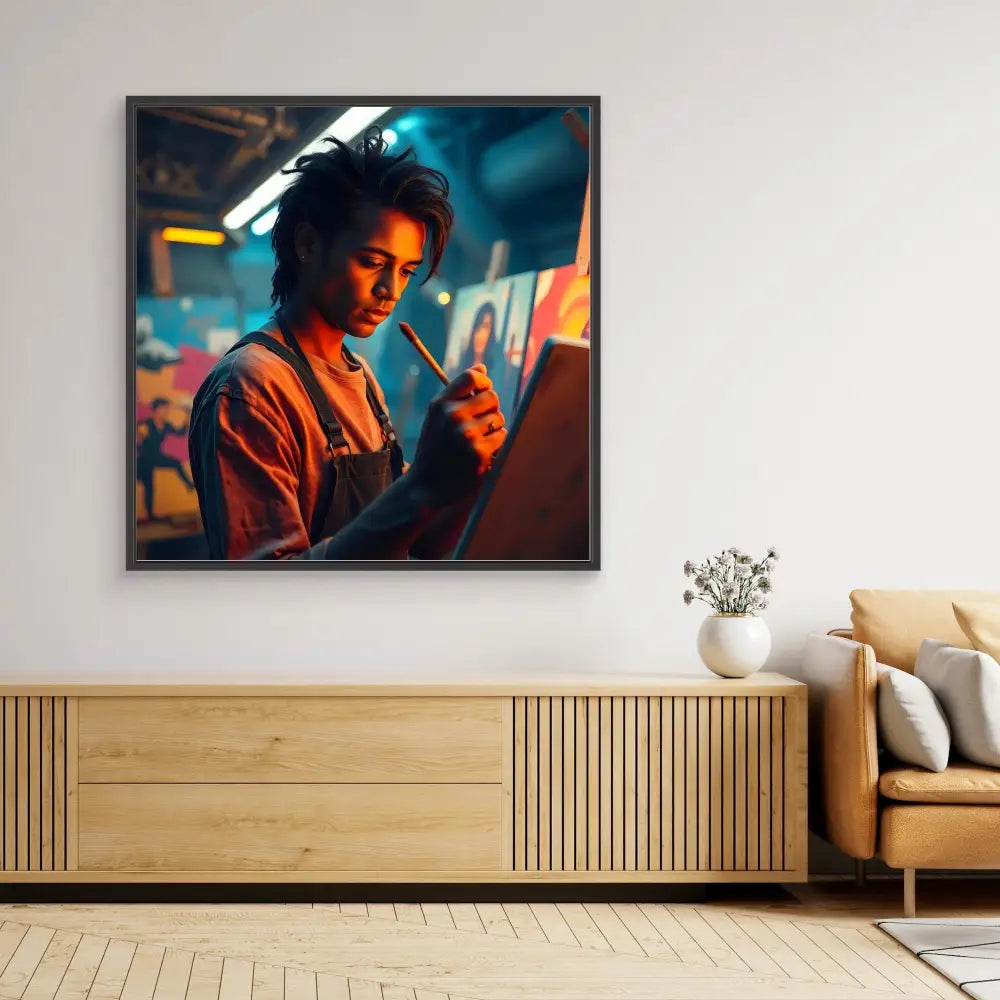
{"x": 133, "y": 563}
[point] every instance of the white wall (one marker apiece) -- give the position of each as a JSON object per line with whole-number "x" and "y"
{"x": 800, "y": 235}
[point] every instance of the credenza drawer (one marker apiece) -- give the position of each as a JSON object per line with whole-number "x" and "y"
{"x": 337, "y": 739}
{"x": 284, "y": 827}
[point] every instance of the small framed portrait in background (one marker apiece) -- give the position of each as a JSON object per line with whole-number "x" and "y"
{"x": 363, "y": 333}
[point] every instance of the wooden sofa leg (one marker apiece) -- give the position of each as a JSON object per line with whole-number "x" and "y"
{"x": 860, "y": 872}
{"x": 909, "y": 892}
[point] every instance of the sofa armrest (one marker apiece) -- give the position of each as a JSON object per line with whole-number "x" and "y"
{"x": 843, "y": 749}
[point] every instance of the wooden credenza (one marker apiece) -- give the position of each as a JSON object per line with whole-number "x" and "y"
{"x": 585, "y": 778}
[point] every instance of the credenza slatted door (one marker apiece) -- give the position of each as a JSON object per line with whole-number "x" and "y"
{"x": 39, "y": 783}
{"x": 691, "y": 784}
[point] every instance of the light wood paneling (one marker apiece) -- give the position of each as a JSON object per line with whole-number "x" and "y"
{"x": 717, "y": 797}
{"x": 630, "y": 751}
{"x": 531, "y": 784}
{"x": 9, "y": 783}
{"x": 753, "y": 783}
{"x": 23, "y": 787}
{"x": 580, "y": 779}
{"x": 290, "y": 739}
{"x": 617, "y": 761}
{"x": 593, "y": 784}
{"x": 34, "y": 783}
{"x": 679, "y": 772}
{"x": 666, "y": 784}
{"x": 35, "y": 790}
{"x": 683, "y": 784}
{"x": 705, "y": 791}
{"x": 544, "y": 783}
{"x": 690, "y": 824}
{"x": 450, "y": 876}
{"x": 511, "y": 684}
{"x": 728, "y": 784}
{"x": 655, "y": 785}
{"x": 641, "y": 780}
{"x": 607, "y": 775}
{"x": 61, "y": 787}
{"x": 764, "y": 757}
{"x": 740, "y": 771}
{"x": 618, "y": 786}
{"x": 778, "y": 805}
{"x": 558, "y": 832}
{"x": 569, "y": 790}
{"x": 295, "y": 827}
{"x": 519, "y": 765}
{"x": 72, "y": 782}
{"x": 796, "y": 768}
{"x": 508, "y": 817}
{"x": 46, "y": 810}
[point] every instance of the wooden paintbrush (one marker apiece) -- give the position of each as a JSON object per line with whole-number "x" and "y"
{"x": 423, "y": 352}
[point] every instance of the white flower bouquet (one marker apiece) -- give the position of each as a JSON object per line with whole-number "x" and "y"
{"x": 731, "y": 582}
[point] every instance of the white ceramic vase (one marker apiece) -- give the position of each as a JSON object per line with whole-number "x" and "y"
{"x": 734, "y": 645}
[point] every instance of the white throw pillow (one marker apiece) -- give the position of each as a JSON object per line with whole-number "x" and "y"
{"x": 911, "y": 723}
{"x": 967, "y": 683}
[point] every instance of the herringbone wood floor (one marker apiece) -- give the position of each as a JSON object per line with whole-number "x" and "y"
{"x": 812, "y": 942}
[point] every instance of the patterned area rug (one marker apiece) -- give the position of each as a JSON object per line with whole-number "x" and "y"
{"x": 967, "y": 951}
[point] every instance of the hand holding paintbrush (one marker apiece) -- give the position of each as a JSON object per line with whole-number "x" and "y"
{"x": 466, "y": 415}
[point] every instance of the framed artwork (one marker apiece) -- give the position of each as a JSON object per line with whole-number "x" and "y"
{"x": 277, "y": 417}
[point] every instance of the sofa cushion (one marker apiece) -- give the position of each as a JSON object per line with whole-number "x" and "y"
{"x": 967, "y": 683}
{"x": 941, "y": 835}
{"x": 911, "y": 723}
{"x": 895, "y": 622}
{"x": 960, "y": 783}
{"x": 980, "y": 621}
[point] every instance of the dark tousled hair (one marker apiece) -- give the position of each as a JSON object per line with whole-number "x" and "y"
{"x": 332, "y": 186}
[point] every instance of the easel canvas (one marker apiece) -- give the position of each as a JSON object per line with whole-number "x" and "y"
{"x": 509, "y": 300}
{"x": 536, "y": 504}
{"x": 561, "y": 309}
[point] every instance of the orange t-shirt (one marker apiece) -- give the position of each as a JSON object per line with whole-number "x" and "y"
{"x": 260, "y": 457}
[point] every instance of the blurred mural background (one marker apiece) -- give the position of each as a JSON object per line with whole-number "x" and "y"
{"x": 517, "y": 267}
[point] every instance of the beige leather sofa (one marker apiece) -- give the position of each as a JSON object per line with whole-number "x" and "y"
{"x": 860, "y": 799}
